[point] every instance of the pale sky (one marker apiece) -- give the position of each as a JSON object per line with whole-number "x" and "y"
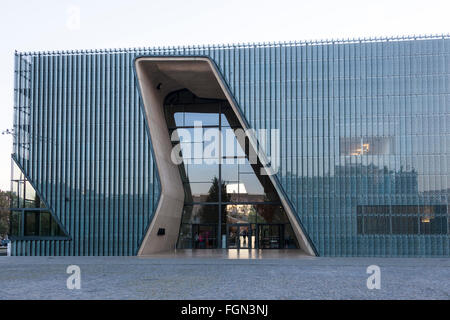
{"x": 47, "y": 25}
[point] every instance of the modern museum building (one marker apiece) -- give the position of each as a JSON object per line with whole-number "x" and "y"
{"x": 333, "y": 148}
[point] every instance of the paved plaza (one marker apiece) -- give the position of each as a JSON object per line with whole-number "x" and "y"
{"x": 220, "y": 274}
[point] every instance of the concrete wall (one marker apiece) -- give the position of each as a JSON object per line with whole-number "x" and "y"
{"x": 170, "y": 206}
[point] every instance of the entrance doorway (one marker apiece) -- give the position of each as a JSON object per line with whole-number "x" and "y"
{"x": 270, "y": 236}
{"x": 255, "y": 236}
{"x": 241, "y": 236}
{"x": 225, "y": 200}
{"x": 204, "y": 236}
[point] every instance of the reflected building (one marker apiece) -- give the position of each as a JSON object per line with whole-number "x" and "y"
{"x": 361, "y": 158}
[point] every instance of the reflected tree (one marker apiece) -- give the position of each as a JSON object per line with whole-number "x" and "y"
{"x": 5, "y": 199}
{"x": 209, "y": 213}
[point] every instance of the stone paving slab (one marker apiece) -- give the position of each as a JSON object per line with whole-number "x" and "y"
{"x": 217, "y": 277}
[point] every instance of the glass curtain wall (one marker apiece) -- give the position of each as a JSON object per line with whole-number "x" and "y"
{"x": 29, "y": 216}
{"x": 227, "y": 205}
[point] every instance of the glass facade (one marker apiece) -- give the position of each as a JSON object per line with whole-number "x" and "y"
{"x": 227, "y": 204}
{"x": 29, "y": 217}
{"x": 81, "y": 140}
{"x": 364, "y": 133}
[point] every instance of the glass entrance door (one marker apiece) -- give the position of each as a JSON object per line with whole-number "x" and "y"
{"x": 224, "y": 200}
{"x": 240, "y": 237}
{"x": 204, "y": 236}
{"x": 244, "y": 237}
{"x": 233, "y": 237}
{"x": 270, "y": 236}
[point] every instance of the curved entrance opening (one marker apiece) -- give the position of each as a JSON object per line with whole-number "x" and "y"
{"x": 207, "y": 204}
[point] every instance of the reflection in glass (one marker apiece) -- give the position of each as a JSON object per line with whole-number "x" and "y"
{"x": 37, "y": 223}
{"x": 204, "y": 236}
{"x": 430, "y": 224}
{"x": 23, "y": 194}
{"x": 229, "y": 173}
{"x": 45, "y": 224}
{"x": 232, "y": 147}
{"x": 185, "y": 236}
{"x": 27, "y": 207}
{"x": 255, "y": 213}
{"x": 402, "y": 219}
{"x": 198, "y": 192}
{"x": 270, "y": 236}
{"x": 240, "y": 213}
{"x": 233, "y": 237}
{"x": 357, "y": 146}
{"x": 201, "y": 214}
{"x": 252, "y": 185}
{"x": 31, "y": 223}
{"x": 185, "y": 135}
{"x": 206, "y": 119}
{"x": 290, "y": 241}
{"x": 15, "y": 223}
{"x": 202, "y": 172}
{"x": 227, "y": 191}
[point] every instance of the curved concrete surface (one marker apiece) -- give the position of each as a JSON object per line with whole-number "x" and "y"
{"x": 157, "y": 77}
